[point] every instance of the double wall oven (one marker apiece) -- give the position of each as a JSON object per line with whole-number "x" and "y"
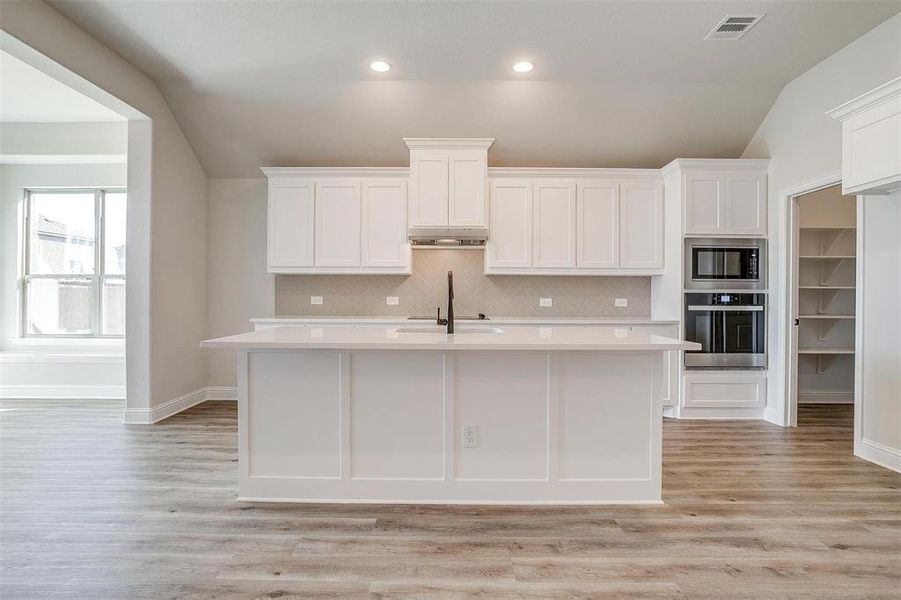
{"x": 725, "y": 303}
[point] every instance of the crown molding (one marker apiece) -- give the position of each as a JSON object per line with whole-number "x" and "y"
{"x": 336, "y": 172}
{"x": 732, "y": 164}
{"x": 572, "y": 173}
{"x": 482, "y": 143}
{"x": 885, "y": 92}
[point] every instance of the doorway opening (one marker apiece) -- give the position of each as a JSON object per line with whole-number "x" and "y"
{"x": 823, "y": 281}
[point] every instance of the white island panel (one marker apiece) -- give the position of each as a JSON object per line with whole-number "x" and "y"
{"x": 506, "y": 396}
{"x": 396, "y": 415}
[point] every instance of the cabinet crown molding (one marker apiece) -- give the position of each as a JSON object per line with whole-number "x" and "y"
{"x": 730, "y": 164}
{"x": 573, "y": 173}
{"x": 337, "y": 172}
{"x": 885, "y": 92}
{"x": 483, "y": 143}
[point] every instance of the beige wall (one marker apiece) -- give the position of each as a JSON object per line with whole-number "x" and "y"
{"x": 804, "y": 145}
{"x": 167, "y": 203}
{"x": 239, "y": 286}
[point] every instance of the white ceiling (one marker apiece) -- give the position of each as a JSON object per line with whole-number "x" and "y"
{"x": 29, "y": 96}
{"x": 615, "y": 83}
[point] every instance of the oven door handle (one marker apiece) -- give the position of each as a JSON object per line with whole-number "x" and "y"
{"x": 714, "y": 308}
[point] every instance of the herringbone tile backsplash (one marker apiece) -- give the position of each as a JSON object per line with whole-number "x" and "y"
{"x": 426, "y": 289}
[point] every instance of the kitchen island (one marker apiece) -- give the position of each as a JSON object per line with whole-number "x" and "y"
{"x": 525, "y": 415}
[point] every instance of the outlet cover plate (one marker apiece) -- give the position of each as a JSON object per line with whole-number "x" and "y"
{"x": 315, "y": 299}
{"x": 546, "y": 302}
{"x": 621, "y": 302}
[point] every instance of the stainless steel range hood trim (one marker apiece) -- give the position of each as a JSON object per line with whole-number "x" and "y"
{"x": 449, "y": 237}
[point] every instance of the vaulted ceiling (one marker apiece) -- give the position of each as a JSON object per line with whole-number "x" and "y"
{"x": 615, "y": 83}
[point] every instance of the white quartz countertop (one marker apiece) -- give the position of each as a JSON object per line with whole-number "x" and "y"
{"x": 491, "y": 320}
{"x": 468, "y": 336}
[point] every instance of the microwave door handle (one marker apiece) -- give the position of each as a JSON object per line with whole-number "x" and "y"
{"x": 714, "y": 308}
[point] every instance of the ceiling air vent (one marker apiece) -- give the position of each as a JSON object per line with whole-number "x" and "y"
{"x": 732, "y": 27}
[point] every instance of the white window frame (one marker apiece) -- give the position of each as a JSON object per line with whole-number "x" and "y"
{"x": 97, "y": 278}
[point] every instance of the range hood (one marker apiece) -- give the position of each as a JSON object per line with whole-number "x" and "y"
{"x": 448, "y": 236}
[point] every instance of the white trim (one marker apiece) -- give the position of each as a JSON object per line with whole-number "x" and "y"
{"x": 859, "y": 311}
{"x": 148, "y": 416}
{"x": 483, "y": 143}
{"x": 221, "y": 393}
{"x": 340, "y": 172}
{"x": 880, "y": 454}
{"x": 63, "y": 159}
{"x": 731, "y": 164}
{"x": 36, "y": 357}
{"x": 785, "y": 412}
{"x": 62, "y": 392}
{"x": 572, "y": 173}
{"x": 885, "y": 92}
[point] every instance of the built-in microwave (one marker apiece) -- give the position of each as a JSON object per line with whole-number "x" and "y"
{"x": 725, "y": 264}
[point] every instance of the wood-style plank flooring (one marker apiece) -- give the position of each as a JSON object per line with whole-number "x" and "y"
{"x": 93, "y": 509}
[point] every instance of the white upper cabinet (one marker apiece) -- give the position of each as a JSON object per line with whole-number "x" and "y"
{"x": 725, "y": 203}
{"x": 641, "y": 225}
{"x": 554, "y": 224}
{"x": 429, "y": 188}
{"x": 597, "y": 222}
{"x": 448, "y": 182}
{"x": 467, "y": 201}
{"x": 575, "y": 227}
{"x": 384, "y": 225}
{"x": 510, "y": 242}
{"x": 871, "y": 141}
{"x": 337, "y": 224}
{"x": 290, "y": 223}
{"x": 333, "y": 221}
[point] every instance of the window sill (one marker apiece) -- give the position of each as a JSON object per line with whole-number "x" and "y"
{"x": 35, "y": 346}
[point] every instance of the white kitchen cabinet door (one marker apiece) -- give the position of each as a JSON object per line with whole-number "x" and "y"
{"x": 290, "y": 224}
{"x": 467, "y": 204}
{"x": 597, "y": 222}
{"x": 641, "y": 225}
{"x": 384, "y": 226}
{"x": 429, "y": 184}
{"x": 704, "y": 203}
{"x": 745, "y": 204}
{"x": 510, "y": 242}
{"x": 554, "y": 225}
{"x": 337, "y": 224}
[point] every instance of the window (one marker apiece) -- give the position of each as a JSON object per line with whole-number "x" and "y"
{"x": 74, "y": 263}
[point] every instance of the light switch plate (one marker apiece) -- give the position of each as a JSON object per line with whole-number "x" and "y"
{"x": 546, "y": 302}
{"x": 315, "y": 299}
{"x": 392, "y": 300}
{"x": 621, "y": 302}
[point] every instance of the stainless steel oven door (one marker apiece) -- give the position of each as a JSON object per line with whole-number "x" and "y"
{"x": 730, "y": 336}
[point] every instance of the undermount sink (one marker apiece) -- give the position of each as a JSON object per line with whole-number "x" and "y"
{"x": 457, "y": 329}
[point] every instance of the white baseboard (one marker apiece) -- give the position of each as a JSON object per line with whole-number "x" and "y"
{"x": 148, "y": 416}
{"x": 62, "y": 392}
{"x": 772, "y": 415}
{"x": 221, "y": 393}
{"x": 882, "y": 455}
{"x": 808, "y": 397}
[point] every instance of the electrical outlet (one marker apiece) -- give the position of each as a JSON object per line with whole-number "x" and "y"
{"x": 470, "y": 436}
{"x": 315, "y": 299}
{"x": 545, "y": 302}
{"x": 392, "y": 300}
{"x": 621, "y": 302}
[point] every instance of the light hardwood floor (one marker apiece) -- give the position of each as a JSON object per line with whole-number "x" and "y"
{"x": 93, "y": 509}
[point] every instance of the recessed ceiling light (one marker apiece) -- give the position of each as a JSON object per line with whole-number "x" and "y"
{"x": 380, "y": 66}
{"x": 523, "y": 66}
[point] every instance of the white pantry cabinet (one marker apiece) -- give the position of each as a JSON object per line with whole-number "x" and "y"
{"x": 871, "y": 140}
{"x": 329, "y": 221}
{"x": 549, "y": 226}
{"x": 448, "y": 182}
{"x": 725, "y": 203}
